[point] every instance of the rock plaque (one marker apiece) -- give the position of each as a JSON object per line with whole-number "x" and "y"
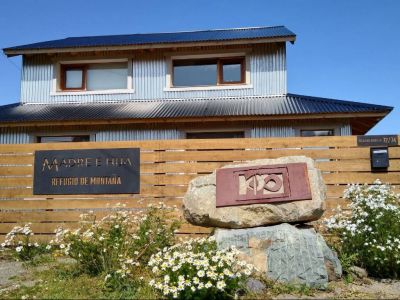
{"x": 200, "y": 205}
{"x": 262, "y": 184}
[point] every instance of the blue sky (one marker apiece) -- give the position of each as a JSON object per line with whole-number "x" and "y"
{"x": 345, "y": 49}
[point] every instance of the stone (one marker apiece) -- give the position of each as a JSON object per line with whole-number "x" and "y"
{"x": 255, "y": 285}
{"x": 289, "y": 254}
{"x": 332, "y": 263}
{"x": 199, "y": 204}
{"x": 358, "y": 272}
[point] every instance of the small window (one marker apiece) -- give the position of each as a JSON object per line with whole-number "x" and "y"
{"x": 232, "y": 71}
{"x": 319, "y": 132}
{"x": 63, "y": 139}
{"x": 208, "y": 72}
{"x": 94, "y": 77}
{"x": 215, "y": 135}
{"x": 73, "y": 78}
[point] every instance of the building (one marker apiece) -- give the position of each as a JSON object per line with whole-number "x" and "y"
{"x": 201, "y": 84}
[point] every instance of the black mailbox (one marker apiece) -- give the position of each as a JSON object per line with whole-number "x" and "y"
{"x": 379, "y": 158}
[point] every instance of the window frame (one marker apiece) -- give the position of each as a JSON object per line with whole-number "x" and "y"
{"x": 59, "y": 78}
{"x": 246, "y": 73}
{"x": 64, "y": 68}
{"x": 219, "y": 62}
{"x": 220, "y": 70}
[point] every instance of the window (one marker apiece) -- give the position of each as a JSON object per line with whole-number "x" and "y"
{"x": 215, "y": 135}
{"x": 208, "y": 72}
{"x": 317, "y": 132}
{"x": 63, "y": 139}
{"x": 94, "y": 77}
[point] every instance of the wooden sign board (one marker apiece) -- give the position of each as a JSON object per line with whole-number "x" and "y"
{"x": 262, "y": 184}
{"x": 377, "y": 140}
{"x": 94, "y": 171}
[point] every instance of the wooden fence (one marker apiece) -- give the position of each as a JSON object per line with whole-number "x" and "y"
{"x": 166, "y": 168}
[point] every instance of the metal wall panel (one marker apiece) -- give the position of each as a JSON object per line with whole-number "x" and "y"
{"x": 23, "y": 135}
{"x": 345, "y": 129}
{"x": 134, "y": 134}
{"x": 267, "y": 68}
{"x": 14, "y": 136}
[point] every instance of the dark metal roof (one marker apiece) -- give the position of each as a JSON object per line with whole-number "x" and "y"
{"x": 289, "y": 104}
{"x": 160, "y": 38}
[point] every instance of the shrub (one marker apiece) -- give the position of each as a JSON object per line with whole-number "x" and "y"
{"x": 195, "y": 269}
{"x": 19, "y": 238}
{"x": 370, "y": 231}
{"x": 123, "y": 237}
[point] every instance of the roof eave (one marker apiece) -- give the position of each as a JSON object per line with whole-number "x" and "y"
{"x": 14, "y": 52}
{"x": 374, "y": 117}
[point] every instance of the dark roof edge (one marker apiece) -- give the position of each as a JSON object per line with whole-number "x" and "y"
{"x": 322, "y": 99}
{"x": 33, "y": 48}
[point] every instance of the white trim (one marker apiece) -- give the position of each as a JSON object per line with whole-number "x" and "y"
{"x": 130, "y": 76}
{"x": 121, "y": 91}
{"x": 247, "y": 71}
{"x": 209, "y": 88}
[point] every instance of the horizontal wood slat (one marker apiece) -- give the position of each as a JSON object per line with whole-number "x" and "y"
{"x": 167, "y": 167}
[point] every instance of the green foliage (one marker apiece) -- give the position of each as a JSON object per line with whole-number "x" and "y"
{"x": 118, "y": 245}
{"x": 195, "y": 269}
{"x": 20, "y": 240}
{"x": 369, "y": 235}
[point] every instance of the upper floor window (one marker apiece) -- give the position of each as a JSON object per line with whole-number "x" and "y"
{"x": 94, "y": 76}
{"x": 208, "y": 72}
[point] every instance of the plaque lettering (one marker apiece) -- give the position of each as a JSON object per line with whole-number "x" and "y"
{"x": 97, "y": 171}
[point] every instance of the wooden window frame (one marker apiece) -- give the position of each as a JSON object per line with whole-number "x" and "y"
{"x": 65, "y": 68}
{"x": 219, "y": 63}
{"x": 84, "y": 66}
{"x": 239, "y": 60}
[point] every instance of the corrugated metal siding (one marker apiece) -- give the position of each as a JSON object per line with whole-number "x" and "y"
{"x": 25, "y": 135}
{"x": 267, "y": 68}
{"x": 133, "y": 134}
{"x": 273, "y": 131}
{"x": 14, "y": 136}
{"x": 345, "y": 129}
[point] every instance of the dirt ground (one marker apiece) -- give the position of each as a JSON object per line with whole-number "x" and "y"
{"x": 11, "y": 273}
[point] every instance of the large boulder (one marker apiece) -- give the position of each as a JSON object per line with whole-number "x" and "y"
{"x": 285, "y": 253}
{"x": 199, "y": 203}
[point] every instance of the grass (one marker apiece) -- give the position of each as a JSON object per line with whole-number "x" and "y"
{"x": 274, "y": 289}
{"x": 61, "y": 281}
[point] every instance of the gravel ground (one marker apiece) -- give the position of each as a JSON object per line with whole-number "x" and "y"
{"x": 8, "y": 270}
